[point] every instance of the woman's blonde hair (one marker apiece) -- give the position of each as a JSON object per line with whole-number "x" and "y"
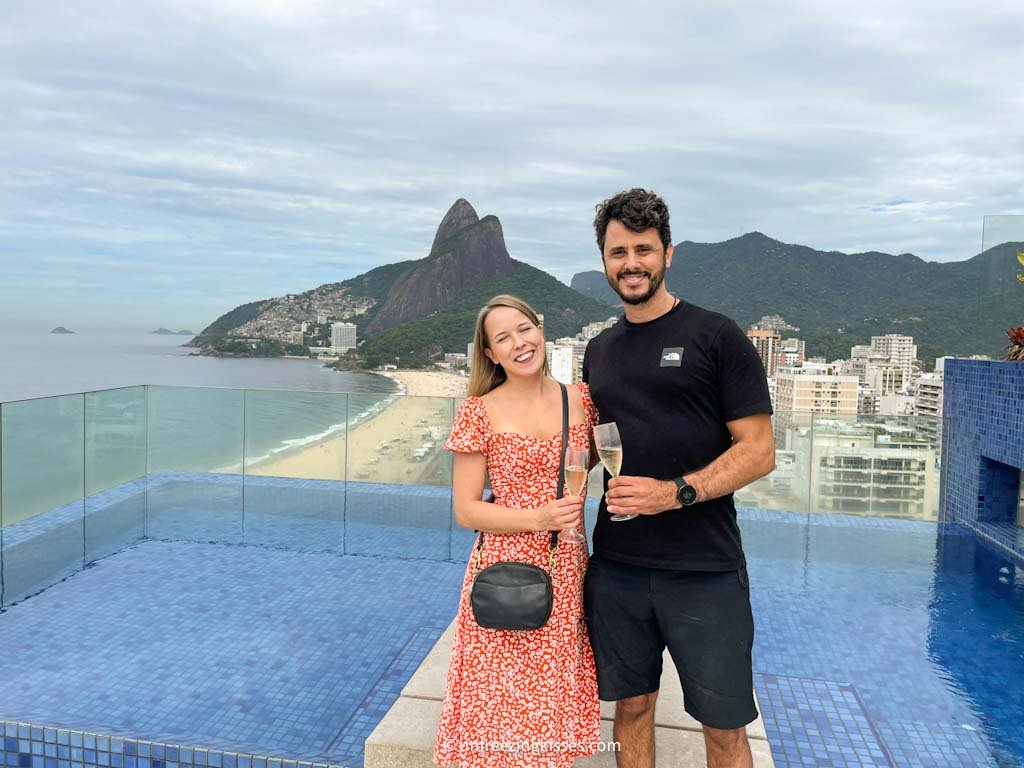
{"x": 485, "y": 375}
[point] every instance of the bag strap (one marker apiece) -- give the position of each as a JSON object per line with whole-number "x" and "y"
{"x": 561, "y": 477}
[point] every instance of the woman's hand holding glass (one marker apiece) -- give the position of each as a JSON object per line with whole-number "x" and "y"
{"x": 562, "y": 514}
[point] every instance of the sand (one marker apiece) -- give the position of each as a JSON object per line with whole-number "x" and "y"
{"x": 430, "y": 383}
{"x": 402, "y": 443}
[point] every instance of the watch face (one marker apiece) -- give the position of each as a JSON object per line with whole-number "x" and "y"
{"x": 687, "y": 495}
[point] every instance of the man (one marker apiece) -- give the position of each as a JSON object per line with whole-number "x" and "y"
{"x": 690, "y": 397}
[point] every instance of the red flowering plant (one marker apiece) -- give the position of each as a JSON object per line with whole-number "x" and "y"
{"x": 1015, "y": 351}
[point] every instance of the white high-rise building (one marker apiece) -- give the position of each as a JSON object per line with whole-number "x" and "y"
{"x": 593, "y": 329}
{"x": 900, "y": 350}
{"x": 861, "y": 356}
{"x": 791, "y": 352}
{"x": 928, "y": 395}
{"x": 343, "y": 337}
{"x": 886, "y": 379}
{"x": 894, "y": 404}
{"x": 867, "y": 399}
{"x": 562, "y": 363}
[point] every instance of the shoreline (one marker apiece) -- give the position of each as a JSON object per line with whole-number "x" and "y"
{"x": 428, "y": 383}
{"x": 397, "y": 442}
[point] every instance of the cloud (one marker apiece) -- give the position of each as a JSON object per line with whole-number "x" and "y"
{"x": 260, "y": 145}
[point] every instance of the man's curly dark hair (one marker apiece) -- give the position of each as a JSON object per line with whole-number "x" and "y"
{"x": 637, "y": 208}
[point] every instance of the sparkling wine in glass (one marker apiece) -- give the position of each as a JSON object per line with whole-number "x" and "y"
{"x": 609, "y": 448}
{"x": 577, "y": 463}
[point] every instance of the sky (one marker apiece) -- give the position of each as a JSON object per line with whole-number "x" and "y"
{"x": 164, "y": 162}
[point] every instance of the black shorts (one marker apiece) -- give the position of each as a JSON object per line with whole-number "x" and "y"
{"x": 704, "y": 619}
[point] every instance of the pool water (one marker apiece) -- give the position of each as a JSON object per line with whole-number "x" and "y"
{"x": 879, "y": 643}
{"x": 237, "y": 648}
{"x": 885, "y": 642}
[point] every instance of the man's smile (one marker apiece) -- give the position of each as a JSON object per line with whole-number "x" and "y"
{"x": 634, "y": 279}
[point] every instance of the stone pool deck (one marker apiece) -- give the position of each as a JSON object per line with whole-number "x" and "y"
{"x": 404, "y": 738}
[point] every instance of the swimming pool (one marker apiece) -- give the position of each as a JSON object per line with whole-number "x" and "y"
{"x": 244, "y": 650}
{"x": 885, "y": 642}
{"x": 879, "y": 642}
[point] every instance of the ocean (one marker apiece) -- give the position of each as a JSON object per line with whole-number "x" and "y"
{"x": 44, "y": 364}
{"x": 190, "y": 429}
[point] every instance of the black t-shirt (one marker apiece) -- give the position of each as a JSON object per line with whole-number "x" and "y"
{"x": 671, "y": 385}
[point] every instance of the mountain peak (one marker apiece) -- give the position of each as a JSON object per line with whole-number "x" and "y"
{"x": 467, "y": 250}
{"x": 756, "y": 237}
{"x": 459, "y": 216}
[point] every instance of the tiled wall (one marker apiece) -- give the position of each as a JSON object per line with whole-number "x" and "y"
{"x": 31, "y": 746}
{"x": 983, "y": 448}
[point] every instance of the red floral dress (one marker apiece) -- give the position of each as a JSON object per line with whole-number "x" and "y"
{"x": 521, "y": 699}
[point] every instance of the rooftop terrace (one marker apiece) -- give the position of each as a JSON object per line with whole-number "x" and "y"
{"x": 251, "y": 579}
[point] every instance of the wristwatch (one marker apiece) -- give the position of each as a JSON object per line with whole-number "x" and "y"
{"x": 685, "y": 493}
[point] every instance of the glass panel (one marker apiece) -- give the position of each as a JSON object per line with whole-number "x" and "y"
{"x": 929, "y": 429}
{"x": 115, "y": 470}
{"x": 195, "y": 458}
{"x": 295, "y": 469}
{"x": 786, "y": 487}
{"x": 463, "y": 539}
{"x": 945, "y": 514}
{"x": 1001, "y": 291}
{"x": 41, "y": 460}
{"x": 1020, "y": 499}
{"x": 880, "y": 466}
{"x": 399, "y": 489}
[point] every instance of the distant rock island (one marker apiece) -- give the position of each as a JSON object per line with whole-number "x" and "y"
{"x": 167, "y": 332}
{"x": 61, "y": 329}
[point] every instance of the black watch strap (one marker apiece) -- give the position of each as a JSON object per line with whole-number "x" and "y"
{"x": 686, "y": 494}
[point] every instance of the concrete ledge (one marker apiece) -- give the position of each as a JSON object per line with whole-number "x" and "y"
{"x": 404, "y": 738}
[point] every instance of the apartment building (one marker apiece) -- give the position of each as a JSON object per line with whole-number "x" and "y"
{"x": 767, "y": 343}
{"x": 791, "y": 352}
{"x": 815, "y": 388}
{"x": 900, "y": 350}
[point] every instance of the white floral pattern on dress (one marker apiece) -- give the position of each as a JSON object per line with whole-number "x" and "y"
{"x": 521, "y": 699}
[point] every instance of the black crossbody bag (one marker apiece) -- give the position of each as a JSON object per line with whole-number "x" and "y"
{"x": 514, "y": 595}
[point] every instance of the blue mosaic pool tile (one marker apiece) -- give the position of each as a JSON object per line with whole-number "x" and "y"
{"x": 139, "y": 754}
{"x": 818, "y": 719}
{"x": 983, "y": 443}
{"x": 933, "y": 745}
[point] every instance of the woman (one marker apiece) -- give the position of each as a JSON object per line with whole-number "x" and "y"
{"x": 516, "y": 699}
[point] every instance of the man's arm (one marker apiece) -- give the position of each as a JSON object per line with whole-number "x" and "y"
{"x": 751, "y": 456}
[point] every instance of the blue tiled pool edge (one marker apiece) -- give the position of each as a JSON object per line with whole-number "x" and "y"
{"x": 28, "y": 745}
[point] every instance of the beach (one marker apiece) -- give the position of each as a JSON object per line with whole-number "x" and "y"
{"x": 430, "y": 383}
{"x": 401, "y": 443}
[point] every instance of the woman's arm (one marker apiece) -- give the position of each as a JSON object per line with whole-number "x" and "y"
{"x": 470, "y": 512}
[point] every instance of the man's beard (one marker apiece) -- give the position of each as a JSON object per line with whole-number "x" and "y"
{"x": 655, "y": 279}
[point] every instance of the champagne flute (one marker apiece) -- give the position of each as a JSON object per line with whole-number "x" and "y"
{"x": 609, "y": 448}
{"x": 577, "y": 464}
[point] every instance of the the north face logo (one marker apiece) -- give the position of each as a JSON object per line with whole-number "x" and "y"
{"x": 672, "y": 357}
